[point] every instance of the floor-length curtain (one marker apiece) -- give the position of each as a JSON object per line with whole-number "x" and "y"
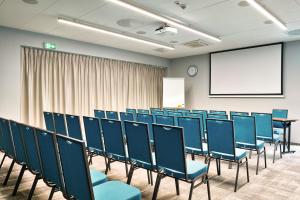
{"x": 78, "y": 84}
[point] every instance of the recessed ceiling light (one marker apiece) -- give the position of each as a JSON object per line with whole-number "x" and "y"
{"x": 141, "y": 32}
{"x": 243, "y": 3}
{"x": 129, "y": 23}
{"x": 268, "y": 22}
{"x": 31, "y": 1}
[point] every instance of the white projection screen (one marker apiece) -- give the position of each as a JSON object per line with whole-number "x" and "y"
{"x": 248, "y": 71}
{"x": 173, "y": 92}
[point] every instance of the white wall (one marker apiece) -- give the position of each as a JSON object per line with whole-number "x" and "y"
{"x": 12, "y": 39}
{"x": 197, "y": 88}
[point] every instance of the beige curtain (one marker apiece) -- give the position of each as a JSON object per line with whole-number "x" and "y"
{"x": 78, "y": 84}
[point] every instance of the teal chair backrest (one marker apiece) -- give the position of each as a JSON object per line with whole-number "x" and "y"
{"x": 75, "y": 170}
{"x": 165, "y": 120}
{"x": 113, "y": 137}
{"x": 148, "y": 119}
{"x": 202, "y": 121}
{"x": 126, "y": 117}
{"x": 18, "y": 142}
{"x": 49, "y": 121}
{"x": 204, "y": 114}
{"x": 143, "y": 111}
{"x": 217, "y": 116}
{"x": 93, "y": 134}
{"x": 192, "y": 131}
{"x": 131, "y": 110}
{"x": 138, "y": 143}
{"x": 184, "y": 112}
{"x": 155, "y": 109}
{"x": 6, "y": 139}
{"x": 112, "y": 115}
{"x": 217, "y": 112}
{"x": 264, "y": 125}
{"x": 238, "y": 113}
{"x": 279, "y": 113}
{"x": 49, "y": 158}
{"x": 169, "y": 141}
{"x": 74, "y": 127}
{"x": 220, "y": 137}
{"x": 244, "y": 129}
{"x": 100, "y": 114}
{"x": 59, "y": 123}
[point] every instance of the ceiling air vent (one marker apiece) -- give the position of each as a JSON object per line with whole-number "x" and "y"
{"x": 195, "y": 44}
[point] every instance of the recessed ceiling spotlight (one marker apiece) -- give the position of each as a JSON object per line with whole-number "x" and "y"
{"x": 141, "y": 32}
{"x": 243, "y": 3}
{"x": 268, "y": 22}
{"x": 173, "y": 42}
{"x": 129, "y": 23}
{"x": 31, "y": 1}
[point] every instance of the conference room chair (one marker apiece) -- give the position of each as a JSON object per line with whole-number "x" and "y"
{"x": 60, "y": 123}
{"x": 217, "y": 112}
{"x": 204, "y": 114}
{"x": 238, "y": 113}
{"x": 245, "y": 136}
{"x": 264, "y": 131}
{"x": 49, "y": 121}
{"x": 139, "y": 149}
{"x": 115, "y": 149}
{"x": 165, "y": 120}
{"x": 175, "y": 115}
{"x": 74, "y": 127}
{"x": 202, "y": 122}
{"x": 279, "y": 113}
{"x": 143, "y": 111}
{"x": 166, "y": 110}
{"x": 156, "y": 112}
{"x": 126, "y": 117}
{"x": 112, "y": 115}
{"x": 216, "y": 116}
{"x": 183, "y": 111}
{"x": 148, "y": 119}
{"x": 94, "y": 139}
{"x": 77, "y": 178}
{"x": 169, "y": 141}
{"x": 155, "y": 109}
{"x": 100, "y": 114}
{"x": 221, "y": 146}
{"x": 131, "y": 110}
{"x": 193, "y": 136}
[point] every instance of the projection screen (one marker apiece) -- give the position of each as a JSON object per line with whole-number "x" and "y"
{"x": 247, "y": 71}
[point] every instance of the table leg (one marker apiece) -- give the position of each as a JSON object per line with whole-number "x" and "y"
{"x": 284, "y": 136}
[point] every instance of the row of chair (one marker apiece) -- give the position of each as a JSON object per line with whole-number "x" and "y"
{"x": 58, "y": 160}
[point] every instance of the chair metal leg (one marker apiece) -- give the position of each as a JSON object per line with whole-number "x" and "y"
{"x": 130, "y": 174}
{"x": 280, "y": 150}
{"x": 148, "y": 176}
{"x": 265, "y": 156}
{"x": 90, "y": 159}
{"x": 257, "y": 165}
{"x": 247, "y": 169}
{"x": 19, "y": 180}
{"x": 177, "y": 186}
{"x": 126, "y": 168}
{"x": 33, "y": 187}
{"x": 208, "y": 188}
{"x": 208, "y": 164}
{"x": 151, "y": 178}
{"x": 105, "y": 160}
{"x": 9, "y": 172}
{"x": 275, "y": 148}
{"x": 218, "y": 162}
{"x": 107, "y": 166}
{"x": 156, "y": 187}
{"x": 193, "y": 156}
{"x": 237, "y": 175}
{"x": 52, "y": 193}
{"x": 2, "y": 161}
{"x": 191, "y": 190}
{"x": 250, "y": 154}
{"x": 230, "y": 165}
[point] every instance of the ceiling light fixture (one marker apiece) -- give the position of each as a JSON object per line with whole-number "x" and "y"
{"x": 164, "y": 19}
{"x": 267, "y": 14}
{"x": 103, "y": 30}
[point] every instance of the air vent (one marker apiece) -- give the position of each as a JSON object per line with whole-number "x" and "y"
{"x": 195, "y": 44}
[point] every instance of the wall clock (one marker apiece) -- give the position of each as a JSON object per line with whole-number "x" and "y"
{"x": 192, "y": 70}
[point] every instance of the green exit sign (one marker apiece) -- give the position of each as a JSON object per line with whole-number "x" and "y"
{"x": 48, "y": 45}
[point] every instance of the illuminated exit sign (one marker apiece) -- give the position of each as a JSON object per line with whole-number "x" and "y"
{"x": 48, "y": 45}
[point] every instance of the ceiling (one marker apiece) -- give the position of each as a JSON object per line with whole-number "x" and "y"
{"x": 237, "y": 26}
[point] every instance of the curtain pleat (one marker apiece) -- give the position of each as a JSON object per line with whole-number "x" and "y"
{"x": 77, "y": 84}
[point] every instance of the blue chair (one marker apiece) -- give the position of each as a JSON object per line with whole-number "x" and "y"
{"x": 278, "y": 126}
{"x": 204, "y": 114}
{"x": 139, "y": 149}
{"x": 156, "y": 112}
{"x": 112, "y": 115}
{"x": 115, "y": 149}
{"x": 94, "y": 138}
{"x": 125, "y": 117}
{"x": 184, "y": 112}
{"x": 77, "y": 178}
{"x": 216, "y": 116}
{"x": 175, "y": 115}
{"x": 49, "y": 121}
{"x": 245, "y": 136}
{"x": 217, "y": 112}
{"x": 155, "y": 109}
{"x": 100, "y": 114}
{"x": 59, "y": 123}
{"x": 221, "y": 146}
{"x": 131, "y": 110}
{"x": 238, "y": 113}
{"x": 193, "y": 136}
{"x": 166, "y": 110}
{"x": 264, "y": 130}
{"x": 74, "y": 127}
{"x": 143, "y": 111}
{"x": 202, "y": 122}
{"x": 165, "y": 120}
{"x": 148, "y": 119}
{"x": 169, "y": 141}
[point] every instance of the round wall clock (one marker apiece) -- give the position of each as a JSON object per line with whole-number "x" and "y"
{"x": 192, "y": 70}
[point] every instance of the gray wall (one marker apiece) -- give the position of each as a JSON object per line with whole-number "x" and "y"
{"x": 197, "y": 88}
{"x": 12, "y": 39}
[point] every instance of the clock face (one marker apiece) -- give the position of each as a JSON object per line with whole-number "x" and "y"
{"x": 192, "y": 70}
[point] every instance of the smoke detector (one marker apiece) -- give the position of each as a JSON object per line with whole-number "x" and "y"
{"x": 165, "y": 29}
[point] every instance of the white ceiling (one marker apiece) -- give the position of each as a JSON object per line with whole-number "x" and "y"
{"x": 236, "y": 26}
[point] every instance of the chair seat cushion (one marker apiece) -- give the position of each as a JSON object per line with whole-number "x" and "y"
{"x": 97, "y": 177}
{"x": 239, "y": 154}
{"x": 116, "y": 190}
{"x": 196, "y": 150}
{"x": 259, "y": 145}
{"x": 276, "y": 138}
{"x": 195, "y": 168}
